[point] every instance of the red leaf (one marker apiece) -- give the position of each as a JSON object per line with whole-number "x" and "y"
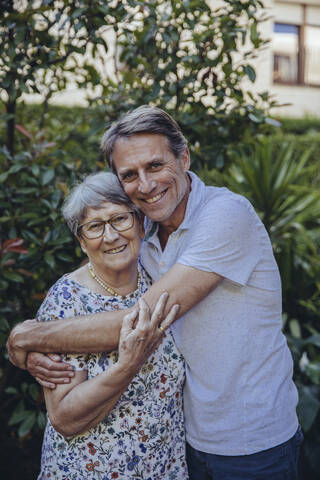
{"x": 13, "y": 242}
{"x": 14, "y": 245}
{"x": 19, "y": 250}
{"x": 23, "y": 130}
{"x": 25, "y": 272}
{"x": 9, "y": 262}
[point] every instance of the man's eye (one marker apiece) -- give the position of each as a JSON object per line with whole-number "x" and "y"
{"x": 155, "y": 165}
{"x": 128, "y": 176}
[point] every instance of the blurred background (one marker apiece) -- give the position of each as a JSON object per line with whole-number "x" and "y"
{"x": 241, "y": 77}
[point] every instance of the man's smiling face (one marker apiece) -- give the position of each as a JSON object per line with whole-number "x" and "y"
{"x": 154, "y": 179}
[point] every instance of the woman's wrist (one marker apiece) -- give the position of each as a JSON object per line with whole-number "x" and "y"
{"x": 122, "y": 373}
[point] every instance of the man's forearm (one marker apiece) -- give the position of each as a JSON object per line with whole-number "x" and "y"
{"x": 86, "y": 333}
{"x": 100, "y": 332}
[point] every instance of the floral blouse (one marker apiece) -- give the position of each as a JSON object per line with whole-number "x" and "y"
{"x": 143, "y": 436}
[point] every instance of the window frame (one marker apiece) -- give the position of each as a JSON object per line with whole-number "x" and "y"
{"x": 301, "y": 59}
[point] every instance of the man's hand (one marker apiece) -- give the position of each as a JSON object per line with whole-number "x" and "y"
{"x": 48, "y": 369}
{"x": 17, "y": 355}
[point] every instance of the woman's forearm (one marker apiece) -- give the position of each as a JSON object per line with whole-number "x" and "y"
{"x": 88, "y": 403}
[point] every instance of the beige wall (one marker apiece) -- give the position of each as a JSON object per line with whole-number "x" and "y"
{"x": 303, "y": 100}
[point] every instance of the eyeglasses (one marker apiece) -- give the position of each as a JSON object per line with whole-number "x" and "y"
{"x": 95, "y": 229}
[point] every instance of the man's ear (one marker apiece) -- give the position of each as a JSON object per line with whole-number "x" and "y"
{"x": 185, "y": 159}
{"x": 141, "y": 226}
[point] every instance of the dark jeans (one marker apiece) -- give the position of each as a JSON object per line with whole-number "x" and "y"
{"x": 277, "y": 463}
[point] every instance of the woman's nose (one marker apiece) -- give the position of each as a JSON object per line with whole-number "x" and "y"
{"x": 110, "y": 234}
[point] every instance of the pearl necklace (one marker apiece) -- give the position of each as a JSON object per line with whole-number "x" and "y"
{"x": 106, "y": 287}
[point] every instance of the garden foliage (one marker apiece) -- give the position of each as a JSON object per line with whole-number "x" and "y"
{"x": 182, "y": 57}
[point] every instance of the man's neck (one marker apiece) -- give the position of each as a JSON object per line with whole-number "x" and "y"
{"x": 172, "y": 224}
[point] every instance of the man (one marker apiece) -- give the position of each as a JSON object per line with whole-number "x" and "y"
{"x": 208, "y": 249}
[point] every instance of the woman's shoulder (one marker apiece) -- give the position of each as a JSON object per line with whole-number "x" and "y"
{"x": 145, "y": 277}
{"x": 62, "y": 296}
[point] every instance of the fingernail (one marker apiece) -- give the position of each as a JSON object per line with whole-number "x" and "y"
{"x": 66, "y": 380}
{"x": 71, "y": 374}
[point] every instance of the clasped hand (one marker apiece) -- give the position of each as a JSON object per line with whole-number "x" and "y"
{"x": 140, "y": 335}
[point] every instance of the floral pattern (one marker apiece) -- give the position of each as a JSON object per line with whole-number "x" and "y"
{"x": 143, "y": 436}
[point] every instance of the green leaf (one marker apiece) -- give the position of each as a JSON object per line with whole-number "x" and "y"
{"x": 34, "y": 391}
{"x": 11, "y": 390}
{"x": 249, "y": 71}
{"x": 308, "y": 407}
{"x": 49, "y": 259}
{"x": 3, "y": 177}
{"x": 47, "y": 176}
{"x": 295, "y": 328}
{"x": 35, "y": 169}
{"x": 64, "y": 257}
{"x": 18, "y": 415}
{"x": 313, "y": 372}
{"x": 27, "y": 424}
{"x": 13, "y": 276}
{"x": 41, "y": 420}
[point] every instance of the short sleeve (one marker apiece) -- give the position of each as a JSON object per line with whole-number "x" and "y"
{"x": 225, "y": 239}
{"x": 62, "y": 302}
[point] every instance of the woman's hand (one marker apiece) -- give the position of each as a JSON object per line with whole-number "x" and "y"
{"x": 138, "y": 339}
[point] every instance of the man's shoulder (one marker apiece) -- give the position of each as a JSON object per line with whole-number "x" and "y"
{"x": 219, "y": 201}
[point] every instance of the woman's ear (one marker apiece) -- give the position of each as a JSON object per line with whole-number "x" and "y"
{"x": 82, "y": 245}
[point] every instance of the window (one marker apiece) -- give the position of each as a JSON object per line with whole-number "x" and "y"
{"x": 312, "y": 63}
{"x": 296, "y": 54}
{"x": 285, "y": 53}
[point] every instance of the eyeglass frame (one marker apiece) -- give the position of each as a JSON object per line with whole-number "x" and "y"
{"x": 79, "y": 233}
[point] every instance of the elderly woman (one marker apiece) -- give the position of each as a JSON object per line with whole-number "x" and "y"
{"x": 121, "y": 414}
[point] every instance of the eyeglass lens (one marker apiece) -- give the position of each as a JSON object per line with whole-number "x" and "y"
{"x": 120, "y": 223}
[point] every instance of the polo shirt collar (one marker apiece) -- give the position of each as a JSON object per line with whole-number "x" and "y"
{"x": 195, "y": 201}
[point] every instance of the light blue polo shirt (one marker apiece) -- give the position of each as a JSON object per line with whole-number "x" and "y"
{"x": 239, "y": 397}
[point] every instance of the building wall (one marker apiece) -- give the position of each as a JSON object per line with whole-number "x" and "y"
{"x": 301, "y": 99}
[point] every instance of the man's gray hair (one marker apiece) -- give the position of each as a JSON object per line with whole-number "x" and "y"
{"x": 144, "y": 119}
{"x": 95, "y": 190}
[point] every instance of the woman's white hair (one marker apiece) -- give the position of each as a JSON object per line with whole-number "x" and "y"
{"x": 95, "y": 190}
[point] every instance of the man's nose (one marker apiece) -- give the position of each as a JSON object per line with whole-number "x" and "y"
{"x": 110, "y": 234}
{"x": 146, "y": 183}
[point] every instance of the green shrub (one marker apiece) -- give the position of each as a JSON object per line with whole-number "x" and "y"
{"x": 300, "y": 144}
{"x": 300, "y": 126}
{"x": 36, "y": 248}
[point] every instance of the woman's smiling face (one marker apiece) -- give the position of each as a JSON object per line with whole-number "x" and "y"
{"x": 114, "y": 251}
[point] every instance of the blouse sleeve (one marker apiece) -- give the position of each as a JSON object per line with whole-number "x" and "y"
{"x": 64, "y": 301}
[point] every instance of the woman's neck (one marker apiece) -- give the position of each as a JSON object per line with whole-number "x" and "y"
{"x": 122, "y": 282}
